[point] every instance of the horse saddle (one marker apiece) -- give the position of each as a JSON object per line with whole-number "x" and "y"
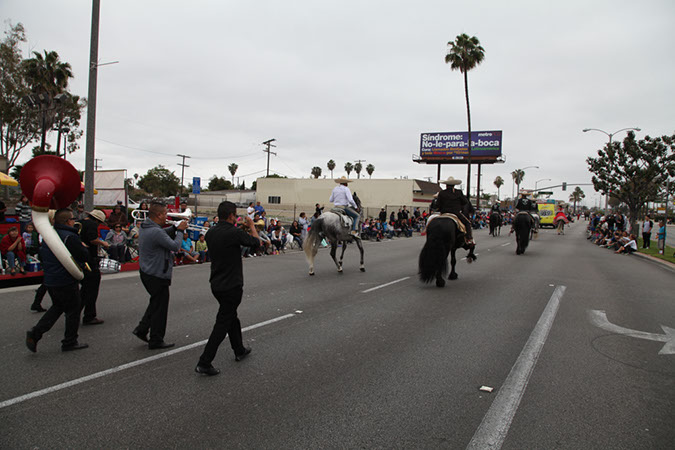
{"x": 346, "y": 220}
{"x": 460, "y": 225}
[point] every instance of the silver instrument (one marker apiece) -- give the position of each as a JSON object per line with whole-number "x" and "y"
{"x": 176, "y": 218}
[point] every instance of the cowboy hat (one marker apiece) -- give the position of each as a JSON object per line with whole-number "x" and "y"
{"x": 97, "y": 214}
{"x": 343, "y": 179}
{"x": 451, "y": 181}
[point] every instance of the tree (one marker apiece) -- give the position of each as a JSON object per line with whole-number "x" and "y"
{"x": 160, "y": 181}
{"x": 331, "y": 166}
{"x": 576, "y": 196}
{"x": 635, "y": 172}
{"x": 233, "y": 169}
{"x": 358, "y": 167}
{"x": 464, "y": 54}
{"x": 518, "y": 176}
{"x": 370, "y": 169}
{"x": 348, "y": 168}
{"x": 217, "y": 183}
{"x": 499, "y": 182}
{"x": 316, "y": 171}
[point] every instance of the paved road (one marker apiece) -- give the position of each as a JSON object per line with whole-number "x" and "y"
{"x": 361, "y": 360}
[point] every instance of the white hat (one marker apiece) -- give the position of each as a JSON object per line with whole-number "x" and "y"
{"x": 342, "y": 179}
{"x": 451, "y": 181}
{"x": 98, "y": 215}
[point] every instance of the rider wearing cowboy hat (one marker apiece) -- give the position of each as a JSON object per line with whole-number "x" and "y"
{"x": 527, "y": 205}
{"x": 342, "y": 197}
{"x": 451, "y": 200}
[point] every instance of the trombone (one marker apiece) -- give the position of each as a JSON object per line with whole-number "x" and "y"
{"x": 176, "y": 218}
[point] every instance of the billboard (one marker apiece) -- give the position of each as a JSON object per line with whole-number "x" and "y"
{"x": 485, "y": 145}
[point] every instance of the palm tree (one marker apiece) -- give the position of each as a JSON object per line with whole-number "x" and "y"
{"x": 358, "y": 167}
{"x": 348, "y": 168}
{"x": 518, "y": 176}
{"x": 499, "y": 182}
{"x": 316, "y": 171}
{"x": 331, "y": 166}
{"x": 576, "y": 196}
{"x": 464, "y": 54}
{"x": 233, "y": 169}
{"x": 370, "y": 169}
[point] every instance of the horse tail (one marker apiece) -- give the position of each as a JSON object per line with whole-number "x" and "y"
{"x": 522, "y": 225}
{"x": 434, "y": 254}
{"x": 312, "y": 243}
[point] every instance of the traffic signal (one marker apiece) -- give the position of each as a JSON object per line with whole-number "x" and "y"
{"x": 564, "y": 186}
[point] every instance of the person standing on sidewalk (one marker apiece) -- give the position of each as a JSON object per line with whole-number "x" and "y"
{"x": 647, "y": 227}
{"x": 155, "y": 250}
{"x": 92, "y": 280}
{"x": 62, "y": 287}
{"x": 227, "y": 283}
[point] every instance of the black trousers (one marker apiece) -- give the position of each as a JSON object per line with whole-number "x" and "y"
{"x": 156, "y": 314}
{"x": 646, "y": 239}
{"x": 227, "y": 323}
{"x": 89, "y": 294}
{"x": 39, "y": 295}
{"x": 65, "y": 300}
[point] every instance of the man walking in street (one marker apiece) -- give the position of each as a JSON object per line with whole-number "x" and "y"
{"x": 92, "y": 279}
{"x": 227, "y": 283}
{"x": 155, "y": 248}
{"x": 62, "y": 287}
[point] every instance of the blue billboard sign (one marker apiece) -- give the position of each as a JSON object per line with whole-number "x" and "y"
{"x": 455, "y": 146}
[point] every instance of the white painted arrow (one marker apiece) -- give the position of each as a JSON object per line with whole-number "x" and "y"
{"x": 599, "y": 319}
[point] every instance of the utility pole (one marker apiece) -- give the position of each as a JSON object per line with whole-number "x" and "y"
{"x": 269, "y": 144}
{"x": 182, "y": 173}
{"x": 358, "y": 175}
{"x": 96, "y": 160}
{"x": 91, "y": 109}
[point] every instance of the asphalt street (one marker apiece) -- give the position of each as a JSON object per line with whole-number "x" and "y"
{"x": 367, "y": 360}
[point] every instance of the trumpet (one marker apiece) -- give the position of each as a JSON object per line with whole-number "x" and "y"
{"x": 176, "y": 218}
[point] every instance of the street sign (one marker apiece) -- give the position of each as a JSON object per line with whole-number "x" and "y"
{"x": 196, "y": 185}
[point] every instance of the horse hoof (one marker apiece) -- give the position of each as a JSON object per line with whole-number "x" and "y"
{"x": 453, "y": 276}
{"x": 311, "y": 274}
{"x": 340, "y": 270}
{"x": 440, "y": 282}
{"x": 363, "y": 269}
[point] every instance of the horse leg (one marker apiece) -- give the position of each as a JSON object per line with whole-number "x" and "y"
{"x": 359, "y": 244}
{"x": 342, "y": 254}
{"x": 453, "y": 263}
{"x": 333, "y": 254}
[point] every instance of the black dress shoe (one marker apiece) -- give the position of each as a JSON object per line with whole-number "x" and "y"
{"x": 210, "y": 371}
{"x": 75, "y": 346}
{"x": 242, "y": 355}
{"x": 160, "y": 345}
{"x": 94, "y": 321}
{"x": 31, "y": 341}
{"x": 140, "y": 335}
{"x": 37, "y": 308}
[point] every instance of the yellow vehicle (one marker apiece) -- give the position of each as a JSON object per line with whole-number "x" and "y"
{"x": 546, "y": 214}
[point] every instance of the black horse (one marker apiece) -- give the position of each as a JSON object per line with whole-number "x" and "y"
{"x": 522, "y": 225}
{"x": 495, "y": 224}
{"x": 442, "y": 238}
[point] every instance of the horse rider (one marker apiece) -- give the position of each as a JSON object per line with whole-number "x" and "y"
{"x": 342, "y": 197}
{"x": 452, "y": 200}
{"x": 495, "y": 208}
{"x": 526, "y": 205}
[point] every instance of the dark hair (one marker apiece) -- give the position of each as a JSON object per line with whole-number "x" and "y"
{"x": 62, "y": 216}
{"x": 225, "y": 209}
{"x": 156, "y": 208}
{"x": 12, "y": 229}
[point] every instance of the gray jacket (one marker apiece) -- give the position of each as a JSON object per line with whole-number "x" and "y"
{"x": 155, "y": 248}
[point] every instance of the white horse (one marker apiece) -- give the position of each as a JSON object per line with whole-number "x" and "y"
{"x": 330, "y": 225}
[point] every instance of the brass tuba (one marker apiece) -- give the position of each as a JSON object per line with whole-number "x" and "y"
{"x": 51, "y": 182}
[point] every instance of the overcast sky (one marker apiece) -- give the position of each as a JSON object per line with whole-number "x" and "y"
{"x": 348, "y": 80}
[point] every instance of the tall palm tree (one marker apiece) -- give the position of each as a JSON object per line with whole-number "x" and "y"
{"x": 499, "y": 182}
{"x": 348, "y": 168}
{"x": 358, "y": 167}
{"x": 518, "y": 176}
{"x": 370, "y": 169}
{"x": 316, "y": 171}
{"x": 464, "y": 54}
{"x": 233, "y": 169}
{"x": 576, "y": 196}
{"x": 331, "y": 166}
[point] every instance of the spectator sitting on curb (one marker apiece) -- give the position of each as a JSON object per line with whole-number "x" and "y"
{"x": 117, "y": 243}
{"x": 187, "y": 249}
{"x": 202, "y": 248}
{"x": 629, "y": 247}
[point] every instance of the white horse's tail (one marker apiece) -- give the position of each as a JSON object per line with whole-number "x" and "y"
{"x": 312, "y": 243}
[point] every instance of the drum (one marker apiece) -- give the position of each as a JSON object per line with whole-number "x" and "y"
{"x": 109, "y": 266}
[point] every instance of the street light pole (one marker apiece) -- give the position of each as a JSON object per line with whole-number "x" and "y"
{"x": 90, "y": 151}
{"x": 537, "y": 182}
{"x": 609, "y": 144}
{"x": 523, "y": 169}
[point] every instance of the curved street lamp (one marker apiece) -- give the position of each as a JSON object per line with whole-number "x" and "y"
{"x": 523, "y": 169}
{"x": 609, "y": 144}
{"x": 535, "y": 183}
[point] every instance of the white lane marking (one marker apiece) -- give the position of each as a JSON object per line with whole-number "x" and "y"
{"x": 504, "y": 245}
{"x": 495, "y": 425}
{"x": 383, "y": 285}
{"x": 139, "y": 362}
{"x": 599, "y": 319}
